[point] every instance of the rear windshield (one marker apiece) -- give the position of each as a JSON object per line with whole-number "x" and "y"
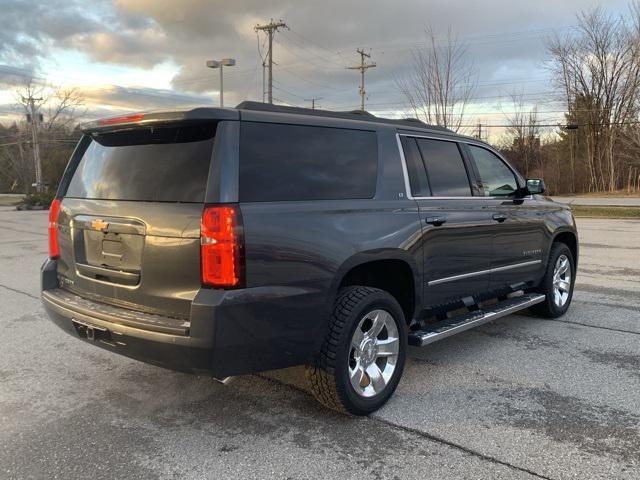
{"x": 167, "y": 164}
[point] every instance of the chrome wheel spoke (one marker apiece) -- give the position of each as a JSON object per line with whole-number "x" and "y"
{"x": 378, "y": 322}
{"x": 357, "y": 338}
{"x": 564, "y": 266}
{"x": 376, "y": 380}
{"x": 355, "y": 376}
{"x": 388, "y": 346}
{"x": 563, "y": 285}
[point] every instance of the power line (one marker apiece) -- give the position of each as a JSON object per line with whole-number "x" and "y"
{"x": 325, "y": 58}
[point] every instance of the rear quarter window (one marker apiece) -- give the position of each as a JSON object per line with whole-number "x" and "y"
{"x": 280, "y": 162}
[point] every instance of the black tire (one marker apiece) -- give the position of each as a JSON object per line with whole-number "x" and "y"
{"x": 549, "y": 308}
{"x": 329, "y": 377}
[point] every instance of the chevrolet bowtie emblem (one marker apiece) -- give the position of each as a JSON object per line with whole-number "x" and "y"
{"x": 99, "y": 224}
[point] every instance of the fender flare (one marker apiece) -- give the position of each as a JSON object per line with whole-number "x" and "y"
{"x": 559, "y": 231}
{"x": 369, "y": 256}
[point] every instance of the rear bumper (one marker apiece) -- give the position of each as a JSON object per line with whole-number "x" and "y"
{"x": 177, "y": 352}
{"x": 229, "y": 332}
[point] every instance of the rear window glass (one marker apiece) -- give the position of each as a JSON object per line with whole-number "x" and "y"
{"x": 445, "y": 168}
{"x": 281, "y": 162}
{"x": 415, "y": 167}
{"x": 168, "y": 164}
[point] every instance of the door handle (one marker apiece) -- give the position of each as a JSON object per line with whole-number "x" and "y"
{"x": 436, "y": 221}
{"x": 499, "y": 217}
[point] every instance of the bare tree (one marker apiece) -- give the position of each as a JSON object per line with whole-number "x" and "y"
{"x": 442, "y": 80}
{"x": 62, "y": 108}
{"x": 597, "y": 66}
{"x": 524, "y": 131}
{"x": 41, "y": 143}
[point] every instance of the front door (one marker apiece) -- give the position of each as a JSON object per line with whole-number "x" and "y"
{"x": 518, "y": 224}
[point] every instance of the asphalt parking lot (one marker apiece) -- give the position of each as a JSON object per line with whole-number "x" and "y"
{"x": 521, "y": 397}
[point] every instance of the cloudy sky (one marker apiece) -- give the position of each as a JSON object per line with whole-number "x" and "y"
{"x": 146, "y": 54}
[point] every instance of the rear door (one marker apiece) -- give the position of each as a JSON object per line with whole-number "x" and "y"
{"x": 519, "y": 228}
{"x": 456, "y": 228}
{"x": 129, "y": 229}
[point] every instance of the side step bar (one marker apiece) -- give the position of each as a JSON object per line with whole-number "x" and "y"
{"x": 451, "y": 326}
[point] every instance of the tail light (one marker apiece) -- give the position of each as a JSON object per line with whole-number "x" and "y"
{"x": 54, "y": 210}
{"x": 221, "y": 247}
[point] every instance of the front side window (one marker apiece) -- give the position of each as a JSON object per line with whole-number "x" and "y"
{"x": 280, "y": 162}
{"x": 445, "y": 168}
{"x": 497, "y": 180}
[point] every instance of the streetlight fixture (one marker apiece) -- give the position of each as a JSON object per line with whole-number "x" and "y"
{"x": 225, "y": 62}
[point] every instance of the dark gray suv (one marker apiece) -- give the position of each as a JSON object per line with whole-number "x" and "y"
{"x": 233, "y": 241}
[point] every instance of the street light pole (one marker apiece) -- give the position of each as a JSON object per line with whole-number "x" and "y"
{"x": 225, "y": 62}
{"x": 221, "y": 87}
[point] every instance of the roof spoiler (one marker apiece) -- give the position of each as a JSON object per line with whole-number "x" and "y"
{"x": 147, "y": 119}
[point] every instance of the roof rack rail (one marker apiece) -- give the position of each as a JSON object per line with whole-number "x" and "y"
{"x": 361, "y": 115}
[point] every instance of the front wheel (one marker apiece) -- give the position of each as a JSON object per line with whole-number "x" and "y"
{"x": 363, "y": 356}
{"x": 557, "y": 283}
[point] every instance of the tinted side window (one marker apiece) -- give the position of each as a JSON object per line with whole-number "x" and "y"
{"x": 445, "y": 168}
{"x": 292, "y": 162}
{"x": 415, "y": 167}
{"x": 497, "y": 180}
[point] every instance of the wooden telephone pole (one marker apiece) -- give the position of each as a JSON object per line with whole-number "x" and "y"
{"x": 363, "y": 68}
{"x": 270, "y": 28}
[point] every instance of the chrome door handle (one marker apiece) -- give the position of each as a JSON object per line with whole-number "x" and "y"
{"x": 499, "y": 217}
{"x": 436, "y": 221}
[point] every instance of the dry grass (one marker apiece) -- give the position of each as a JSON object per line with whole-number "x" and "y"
{"x": 6, "y": 201}
{"x": 605, "y": 212}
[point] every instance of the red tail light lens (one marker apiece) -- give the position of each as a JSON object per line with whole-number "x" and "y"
{"x": 220, "y": 247}
{"x": 54, "y": 210}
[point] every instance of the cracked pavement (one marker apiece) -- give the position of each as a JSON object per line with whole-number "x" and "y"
{"x": 521, "y": 397}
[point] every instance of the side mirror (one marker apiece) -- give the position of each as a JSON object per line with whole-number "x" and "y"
{"x": 535, "y": 186}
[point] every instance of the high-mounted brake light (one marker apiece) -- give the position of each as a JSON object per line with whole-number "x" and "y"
{"x": 220, "y": 247}
{"x": 134, "y": 117}
{"x": 54, "y": 210}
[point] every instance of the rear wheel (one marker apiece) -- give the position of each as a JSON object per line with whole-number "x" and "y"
{"x": 557, "y": 283}
{"x": 363, "y": 356}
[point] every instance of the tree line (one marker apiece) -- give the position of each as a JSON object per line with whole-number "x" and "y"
{"x": 595, "y": 70}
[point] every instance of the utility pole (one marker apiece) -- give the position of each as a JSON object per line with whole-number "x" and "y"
{"x": 264, "y": 88}
{"x": 313, "y": 101}
{"x": 270, "y": 28}
{"x": 35, "y": 119}
{"x": 362, "y": 67}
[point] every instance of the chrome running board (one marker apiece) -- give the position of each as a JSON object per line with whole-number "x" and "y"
{"x": 451, "y": 326}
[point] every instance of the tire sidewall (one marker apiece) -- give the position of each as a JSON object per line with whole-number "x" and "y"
{"x": 355, "y": 403}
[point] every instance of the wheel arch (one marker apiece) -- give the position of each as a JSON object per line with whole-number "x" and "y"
{"x": 570, "y": 239}
{"x": 392, "y": 270}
